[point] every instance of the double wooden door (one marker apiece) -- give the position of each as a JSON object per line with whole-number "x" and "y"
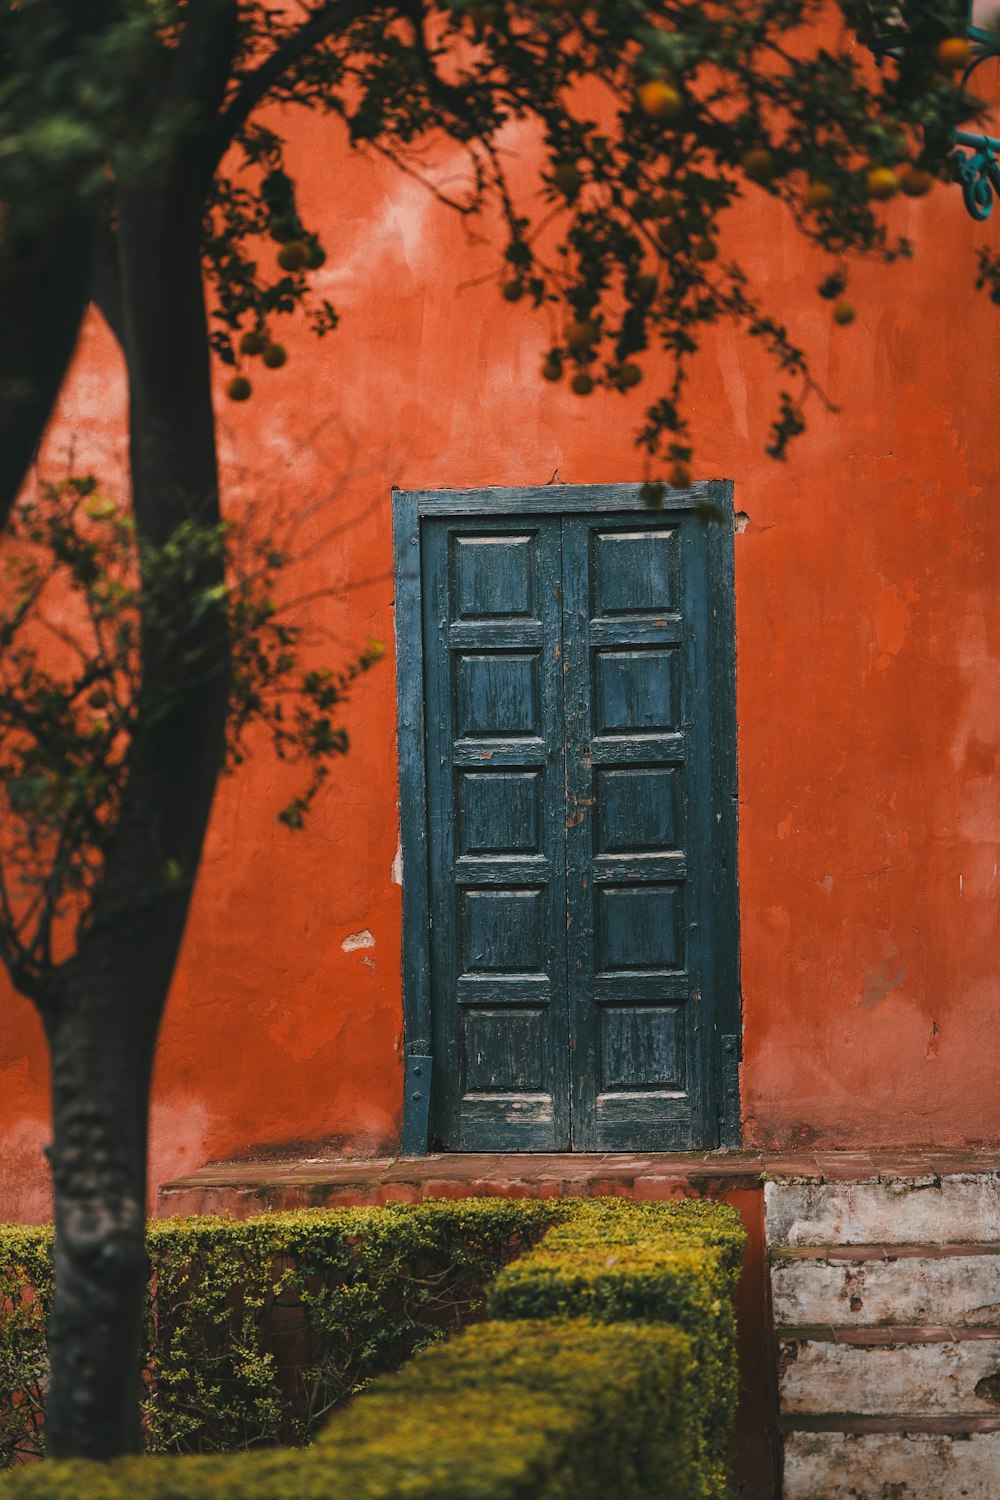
{"x": 571, "y": 833}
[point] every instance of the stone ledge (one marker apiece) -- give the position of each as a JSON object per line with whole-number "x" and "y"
{"x": 247, "y": 1187}
{"x": 888, "y": 1376}
{"x": 698, "y": 1166}
{"x": 891, "y": 1465}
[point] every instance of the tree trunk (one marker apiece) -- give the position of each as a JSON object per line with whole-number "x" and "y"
{"x": 103, "y": 1020}
{"x": 100, "y": 1080}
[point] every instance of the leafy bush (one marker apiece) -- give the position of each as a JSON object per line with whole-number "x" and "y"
{"x": 255, "y": 1329}
{"x": 510, "y": 1411}
{"x": 608, "y": 1367}
{"x": 675, "y": 1263}
{"x": 25, "y": 1298}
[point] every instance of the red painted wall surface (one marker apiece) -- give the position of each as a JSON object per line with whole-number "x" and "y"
{"x": 868, "y": 615}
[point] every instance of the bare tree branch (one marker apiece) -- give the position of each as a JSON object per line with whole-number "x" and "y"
{"x": 44, "y": 291}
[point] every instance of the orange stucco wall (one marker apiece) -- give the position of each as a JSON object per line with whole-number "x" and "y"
{"x": 868, "y": 617}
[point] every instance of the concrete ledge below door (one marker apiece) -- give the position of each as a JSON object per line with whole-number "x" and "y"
{"x": 255, "y": 1186}
{"x": 242, "y": 1187}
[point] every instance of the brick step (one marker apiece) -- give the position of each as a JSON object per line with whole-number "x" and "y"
{"x": 895, "y": 1371}
{"x": 853, "y": 1286}
{"x": 956, "y": 1424}
{"x": 960, "y": 1209}
{"x": 907, "y": 1464}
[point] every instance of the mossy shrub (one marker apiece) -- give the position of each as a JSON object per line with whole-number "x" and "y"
{"x": 609, "y": 1366}
{"x": 575, "y": 1410}
{"x": 675, "y": 1263}
{"x": 256, "y": 1329}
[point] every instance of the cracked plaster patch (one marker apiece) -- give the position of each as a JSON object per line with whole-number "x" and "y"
{"x": 356, "y": 940}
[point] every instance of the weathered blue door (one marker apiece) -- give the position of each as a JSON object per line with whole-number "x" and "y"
{"x": 572, "y": 674}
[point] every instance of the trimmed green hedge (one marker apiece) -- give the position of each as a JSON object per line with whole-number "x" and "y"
{"x": 621, "y": 1383}
{"x": 517, "y": 1411}
{"x": 256, "y": 1328}
{"x": 675, "y": 1263}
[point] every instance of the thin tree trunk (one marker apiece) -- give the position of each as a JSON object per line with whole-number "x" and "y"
{"x": 104, "y": 1020}
{"x": 100, "y": 1078}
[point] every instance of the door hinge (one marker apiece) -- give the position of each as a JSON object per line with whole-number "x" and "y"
{"x": 729, "y": 1091}
{"x": 416, "y": 1104}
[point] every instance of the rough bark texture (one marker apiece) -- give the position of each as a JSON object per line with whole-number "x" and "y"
{"x": 99, "y": 1084}
{"x": 102, "y": 1007}
{"x": 106, "y": 1011}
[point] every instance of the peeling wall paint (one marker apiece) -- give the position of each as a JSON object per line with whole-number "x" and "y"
{"x": 356, "y": 940}
{"x": 868, "y": 633}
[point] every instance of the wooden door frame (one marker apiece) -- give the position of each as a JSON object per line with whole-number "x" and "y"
{"x": 409, "y": 508}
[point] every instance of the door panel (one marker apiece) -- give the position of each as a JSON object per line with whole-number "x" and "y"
{"x": 495, "y": 796}
{"x": 568, "y": 771}
{"x": 634, "y": 589}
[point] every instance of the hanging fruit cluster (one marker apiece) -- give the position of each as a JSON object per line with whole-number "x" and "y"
{"x": 655, "y": 119}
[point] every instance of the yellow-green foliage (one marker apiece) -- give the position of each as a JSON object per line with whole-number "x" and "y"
{"x": 255, "y": 1329}
{"x": 25, "y": 1297}
{"x": 674, "y": 1263}
{"x": 516, "y": 1411}
{"x": 608, "y": 1368}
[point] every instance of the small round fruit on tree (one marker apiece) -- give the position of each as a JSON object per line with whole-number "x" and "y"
{"x": 819, "y": 195}
{"x": 293, "y": 256}
{"x": 98, "y": 697}
{"x": 679, "y": 476}
{"x": 953, "y": 53}
{"x": 274, "y": 356}
{"x": 282, "y": 230}
{"x": 670, "y": 234}
{"x": 239, "y": 388}
{"x": 663, "y": 206}
{"x": 567, "y": 178}
{"x": 660, "y": 100}
{"x": 513, "y": 290}
{"x": 315, "y": 255}
{"x": 630, "y": 374}
{"x": 881, "y": 183}
{"x": 583, "y": 383}
{"x": 844, "y": 311}
{"x": 581, "y": 333}
{"x": 758, "y": 164}
{"x": 706, "y": 250}
{"x": 552, "y": 368}
{"x": 254, "y": 341}
{"x": 915, "y": 181}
